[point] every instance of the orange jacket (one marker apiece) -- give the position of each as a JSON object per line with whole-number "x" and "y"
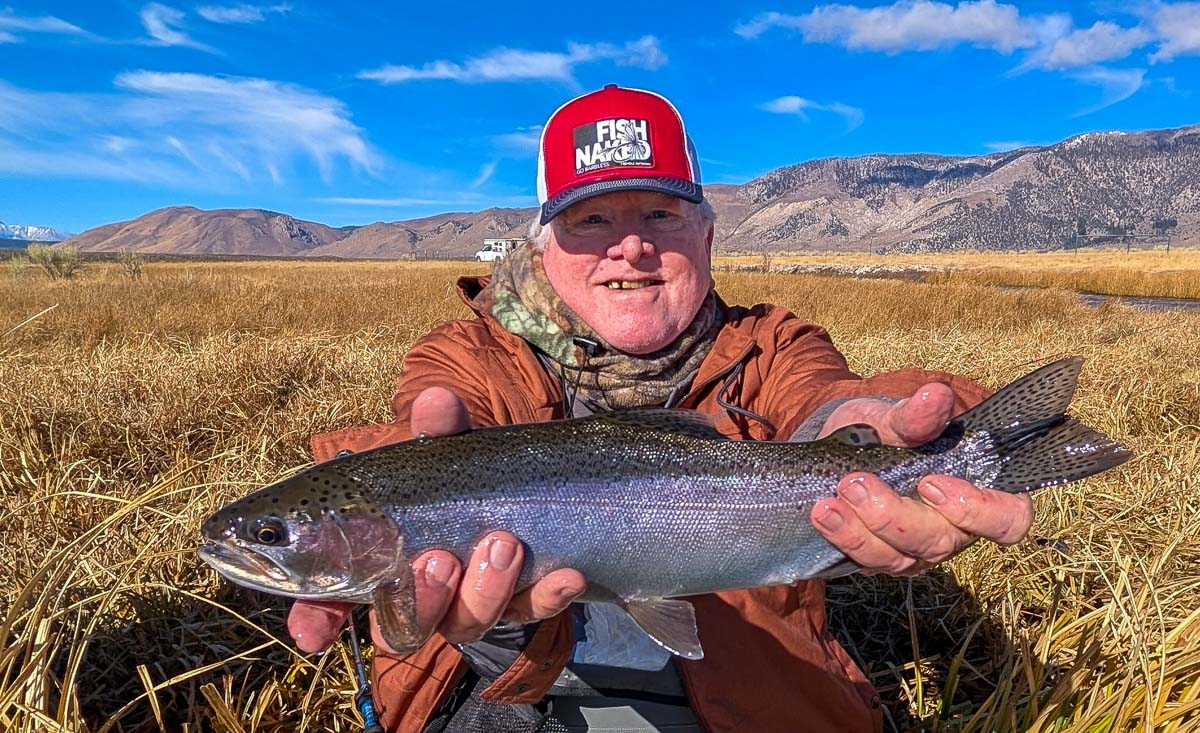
{"x": 770, "y": 664}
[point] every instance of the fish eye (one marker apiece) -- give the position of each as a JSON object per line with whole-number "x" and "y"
{"x": 270, "y": 531}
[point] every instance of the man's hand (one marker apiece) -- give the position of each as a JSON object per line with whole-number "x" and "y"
{"x": 462, "y": 606}
{"x": 885, "y": 532}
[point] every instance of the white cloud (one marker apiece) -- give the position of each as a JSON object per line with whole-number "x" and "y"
{"x": 1116, "y": 85}
{"x": 505, "y": 64}
{"x": 485, "y": 172}
{"x": 905, "y": 25}
{"x": 799, "y": 106}
{"x": 1003, "y": 146}
{"x": 12, "y": 24}
{"x": 240, "y": 13}
{"x": 1178, "y": 28}
{"x": 116, "y": 143}
{"x": 644, "y": 53}
{"x": 524, "y": 141}
{"x": 1104, "y": 41}
{"x": 435, "y": 199}
{"x": 387, "y": 202}
{"x": 171, "y": 128}
{"x": 165, "y": 26}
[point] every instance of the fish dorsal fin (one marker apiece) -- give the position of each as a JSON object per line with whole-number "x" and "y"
{"x": 683, "y": 422}
{"x": 859, "y": 435}
{"x": 671, "y": 623}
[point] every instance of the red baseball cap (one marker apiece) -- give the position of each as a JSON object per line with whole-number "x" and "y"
{"x": 615, "y": 140}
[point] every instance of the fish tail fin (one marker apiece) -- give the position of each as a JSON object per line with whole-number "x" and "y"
{"x": 1034, "y": 444}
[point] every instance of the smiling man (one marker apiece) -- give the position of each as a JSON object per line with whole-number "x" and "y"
{"x": 611, "y": 305}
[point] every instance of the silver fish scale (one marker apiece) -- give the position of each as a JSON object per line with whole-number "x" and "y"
{"x": 641, "y": 511}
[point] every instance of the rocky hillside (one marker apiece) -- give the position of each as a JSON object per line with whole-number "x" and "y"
{"x": 188, "y": 230}
{"x": 444, "y": 235}
{"x": 1032, "y": 198}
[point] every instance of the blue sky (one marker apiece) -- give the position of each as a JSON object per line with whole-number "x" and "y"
{"x": 350, "y": 113}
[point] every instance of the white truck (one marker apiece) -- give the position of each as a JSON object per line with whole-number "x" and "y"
{"x": 496, "y": 249}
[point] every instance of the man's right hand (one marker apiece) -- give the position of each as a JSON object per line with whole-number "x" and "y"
{"x": 461, "y": 606}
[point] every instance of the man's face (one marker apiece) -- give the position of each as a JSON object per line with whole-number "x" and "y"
{"x": 633, "y": 264}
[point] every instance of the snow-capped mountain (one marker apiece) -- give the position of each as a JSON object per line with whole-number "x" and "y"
{"x": 30, "y": 233}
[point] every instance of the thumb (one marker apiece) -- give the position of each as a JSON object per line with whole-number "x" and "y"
{"x": 922, "y": 417}
{"x": 438, "y": 411}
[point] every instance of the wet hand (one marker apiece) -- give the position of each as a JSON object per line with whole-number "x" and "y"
{"x": 885, "y": 532}
{"x": 461, "y": 604}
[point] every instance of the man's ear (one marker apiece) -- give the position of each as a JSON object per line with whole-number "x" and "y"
{"x": 712, "y": 230}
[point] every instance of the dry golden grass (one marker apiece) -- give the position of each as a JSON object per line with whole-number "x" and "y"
{"x": 1174, "y": 274}
{"x": 128, "y": 411}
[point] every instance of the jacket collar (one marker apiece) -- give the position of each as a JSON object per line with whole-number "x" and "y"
{"x": 468, "y": 287}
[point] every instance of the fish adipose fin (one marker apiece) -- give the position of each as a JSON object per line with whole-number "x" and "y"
{"x": 858, "y": 435}
{"x": 1035, "y": 443}
{"x": 396, "y": 610}
{"x": 669, "y": 622}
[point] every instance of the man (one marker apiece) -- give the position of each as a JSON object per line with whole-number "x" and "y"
{"x": 611, "y": 306}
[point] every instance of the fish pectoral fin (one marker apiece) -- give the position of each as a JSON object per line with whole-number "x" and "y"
{"x": 859, "y": 435}
{"x": 671, "y": 623}
{"x": 396, "y": 613}
{"x": 839, "y": 569}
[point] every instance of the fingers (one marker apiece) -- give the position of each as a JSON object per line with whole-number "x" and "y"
{"x": 435, "y": 578}
{"x": 998, "y": 516}
{"x": 438, "y": 411}
{"x": 315, "y": 624}
{"x": 910, "y": 422}
{"x": 885, "y": 532}
{"x": 864, "y": 410}
{"x": 436, "y": 575}
{"x": 921, "y": 418}
{"x": 486, "y": 588}
{"x": 548, "y": 597}
{"x": 880, "y": 530}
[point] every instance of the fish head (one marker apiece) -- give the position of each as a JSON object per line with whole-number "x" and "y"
{"x": 312, "y": 536}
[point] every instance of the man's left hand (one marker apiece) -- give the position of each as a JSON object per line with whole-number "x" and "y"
{"x": 888, "y": 533}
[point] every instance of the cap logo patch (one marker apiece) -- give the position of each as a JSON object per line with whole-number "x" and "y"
{"x": 612, "y": 142}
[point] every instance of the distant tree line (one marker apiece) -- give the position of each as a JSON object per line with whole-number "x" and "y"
{"x": 1159, "y": 225}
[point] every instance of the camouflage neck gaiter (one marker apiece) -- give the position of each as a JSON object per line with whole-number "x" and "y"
{"x": 521, "y": 298}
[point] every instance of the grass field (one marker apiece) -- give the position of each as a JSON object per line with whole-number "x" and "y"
{"x": 129, "y": 410}
{"x": 1174, "y": 274}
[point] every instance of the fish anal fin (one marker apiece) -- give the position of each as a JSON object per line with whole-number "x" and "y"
{"x": 396, "y": 613}
{"x": 859, "y": 435}
{"x": 671, "y": 623}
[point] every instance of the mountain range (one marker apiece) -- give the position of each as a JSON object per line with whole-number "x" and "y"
{"x": 29, "y": 233}
{"x": 1036, "y": 197}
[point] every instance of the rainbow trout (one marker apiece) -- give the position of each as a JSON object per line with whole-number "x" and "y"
{"x": 649, "y": 505}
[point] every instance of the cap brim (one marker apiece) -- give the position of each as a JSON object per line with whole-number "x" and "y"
{"x": 676, "y": 187}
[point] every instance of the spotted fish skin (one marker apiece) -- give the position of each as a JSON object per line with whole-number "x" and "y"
{"x": 653, "y": 504}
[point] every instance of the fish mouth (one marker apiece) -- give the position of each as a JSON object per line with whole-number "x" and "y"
{"x": 252, "y": 569}
{"x": 244, "y": 566}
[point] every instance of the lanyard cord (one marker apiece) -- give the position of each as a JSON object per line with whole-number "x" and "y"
{"x": 362, "y": 699}
{"x": 590, "y": 348}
